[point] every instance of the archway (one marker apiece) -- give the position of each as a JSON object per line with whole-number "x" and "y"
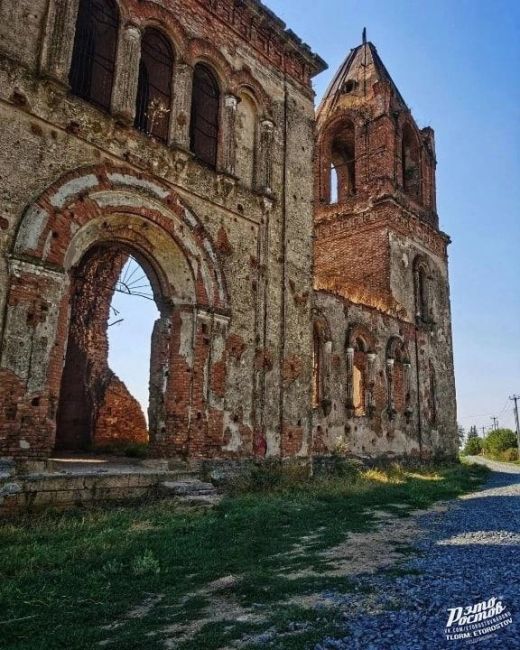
{"x": 83, "y": 226}
{"x": 96, "y": 409}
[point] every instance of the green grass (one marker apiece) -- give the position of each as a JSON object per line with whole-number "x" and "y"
{"x": 64, "y": 577}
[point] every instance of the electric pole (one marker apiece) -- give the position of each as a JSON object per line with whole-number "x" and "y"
{"x": 495, "y": 423}
{"x": 515, "y": 399}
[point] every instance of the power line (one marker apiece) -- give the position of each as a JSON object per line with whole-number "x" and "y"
{"x": 515, "y": 399}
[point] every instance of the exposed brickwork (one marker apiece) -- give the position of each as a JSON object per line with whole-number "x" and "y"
{"x": 228, "y": 248}
{"x": 369, "y": 234}
{"x": 119, "y": 418}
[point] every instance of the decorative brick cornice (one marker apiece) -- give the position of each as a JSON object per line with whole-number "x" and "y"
{"x": 406, "y": 224}
{"x": 268, "y": 35}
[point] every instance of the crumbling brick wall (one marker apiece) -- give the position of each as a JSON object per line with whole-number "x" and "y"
{"x": 230, "y": 247}
{"x": 120, "y": 419}
{"x": 95, "y": 408}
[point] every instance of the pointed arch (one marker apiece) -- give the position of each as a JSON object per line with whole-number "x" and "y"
{"x": 421, "y": 278}
{"x": 411, "y": 162}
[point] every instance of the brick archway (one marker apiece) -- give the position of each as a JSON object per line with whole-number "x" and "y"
{"x": 105, "y": 207}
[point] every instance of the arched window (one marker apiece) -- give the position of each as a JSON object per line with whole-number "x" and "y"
{"x": 342, "y": 164}
{"x": 398, "y": 377}
{"x": 245, "y": 138}
{"x": 205, "y": 106}
{"x": 410, "y": 158}
{"x": 334, "y": 181}
{"x": 94, "y": 54}
{"x": 422, "y": 298}
{"x": 154, "y": 90}
{"x": 359, "y": 378}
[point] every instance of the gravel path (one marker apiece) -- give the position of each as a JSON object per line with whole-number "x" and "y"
{"x": 469, "y": 554}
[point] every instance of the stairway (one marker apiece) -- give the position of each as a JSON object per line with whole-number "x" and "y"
{"x": 76, "y": 481}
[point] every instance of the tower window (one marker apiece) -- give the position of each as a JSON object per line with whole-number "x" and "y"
{"x": 342, "y": 179}
{"x": 334, "y": 181}
{"x": 154, "y": 91}
{"x": 410, "y": 158}
{"x": 94, "y": 53}
{"x": 205, "y": 115}
{"x": 422, "y": 293}
{"x": 359, "y": 378}
{"x": 349, "y": 86}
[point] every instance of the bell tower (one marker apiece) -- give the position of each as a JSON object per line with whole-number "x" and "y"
{"x": 375, "y": 174}
{"x": 380, "y": 254}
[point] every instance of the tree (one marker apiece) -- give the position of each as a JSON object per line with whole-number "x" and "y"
{"x": 499, "y": 441}
{"x": 473, "y": 446}
{"x": 461, "y": 433}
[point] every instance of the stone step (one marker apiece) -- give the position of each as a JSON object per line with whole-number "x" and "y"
{"x": 187, "y": 488}
{"x": 68, "y": 488}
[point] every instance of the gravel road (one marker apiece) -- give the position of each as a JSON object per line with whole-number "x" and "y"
{"x": 467, "y": 555}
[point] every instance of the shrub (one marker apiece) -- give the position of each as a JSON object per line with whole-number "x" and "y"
{"x": 498, "y": 441}
{"x": 473, "y": 447}
{"x": 509, "y": 455}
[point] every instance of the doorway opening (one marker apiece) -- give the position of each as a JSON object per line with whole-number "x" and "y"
{"x": 105, "y": 400}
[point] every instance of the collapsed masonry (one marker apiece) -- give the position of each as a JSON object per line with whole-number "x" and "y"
{"x": 295, "y": 260}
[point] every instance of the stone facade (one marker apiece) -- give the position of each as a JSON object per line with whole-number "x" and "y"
{"x": 215, "y": 200}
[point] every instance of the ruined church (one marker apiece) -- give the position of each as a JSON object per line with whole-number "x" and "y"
{"x": 294, "y": 253}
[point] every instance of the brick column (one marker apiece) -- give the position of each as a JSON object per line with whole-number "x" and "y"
{"x": 124, "y": 95}
{"x": 59, "y": 40}
{"x": 181, "y": 110}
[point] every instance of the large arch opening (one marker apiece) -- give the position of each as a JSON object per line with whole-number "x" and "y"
{"x": 107, "y": 396}
{"x": 70, "y": 249}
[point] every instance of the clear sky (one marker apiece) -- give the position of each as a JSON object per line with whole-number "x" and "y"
{"x": 457, "y": 65}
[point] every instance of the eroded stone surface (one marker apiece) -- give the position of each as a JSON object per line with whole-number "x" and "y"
{"x": 228, "y": 247}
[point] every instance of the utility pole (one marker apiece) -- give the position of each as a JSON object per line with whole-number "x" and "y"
{"x": 515, "y": 399}
{"x": 483, "y": 432}
{"x": 495, "y": 423}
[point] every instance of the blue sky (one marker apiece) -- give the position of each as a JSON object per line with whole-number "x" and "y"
{"x": 456, "y": 62}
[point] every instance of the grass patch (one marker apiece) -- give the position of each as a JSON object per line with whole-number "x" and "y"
{"x": 78, "y": 578}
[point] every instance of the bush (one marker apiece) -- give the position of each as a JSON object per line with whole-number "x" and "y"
{"x": 499, "y": 441}
{"x": 509, "y": 455}
{"x": 473, "y": 447}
